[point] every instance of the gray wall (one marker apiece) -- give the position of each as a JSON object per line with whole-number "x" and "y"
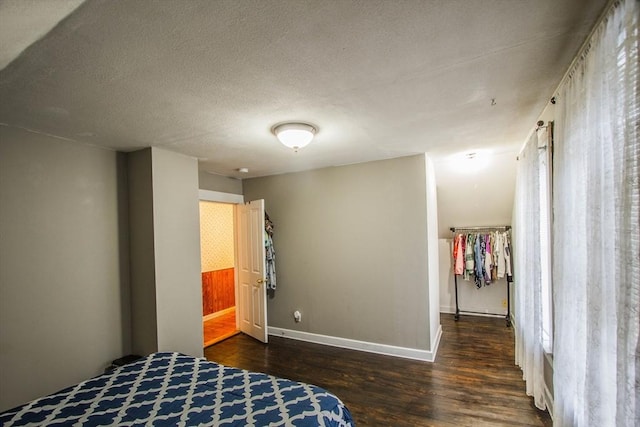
{"x": 351, "y": 248}
{"x": 213, "y": 182}
{"x": 64, "y": 290}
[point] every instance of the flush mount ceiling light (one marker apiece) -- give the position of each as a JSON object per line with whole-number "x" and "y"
{"x": 294, "y": 135}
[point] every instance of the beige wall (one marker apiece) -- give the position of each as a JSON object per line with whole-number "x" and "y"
{"x": 64, "y": 288}
{"x": 177, "y": 251}
{"x": 483, "y": 197}
{"x": 432, "y": 251}
{"x": 488, "y": 299}
{"x": 351, "y": 248}
{"x": 143, "y": 267}
{"x": 468, "y": 197}
{"x": 213, "y": 182}
{"x": 165, "y": 252}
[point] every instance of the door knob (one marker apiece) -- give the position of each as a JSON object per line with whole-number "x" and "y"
{"x": 260, "y": 280}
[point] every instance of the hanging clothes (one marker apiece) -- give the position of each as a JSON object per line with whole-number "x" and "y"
{"x": 458, "y": 254}
{"x": 494, "y": 254}
{"x": 499, "y": 256}
{"x": 485, "y": 256}
{"x": 468, "y": 256}
{"x": 507, "y": 257}
{"x": 270, "y": 254}
{"x": 486, "y": 268}
{"x": 478, "y": 250}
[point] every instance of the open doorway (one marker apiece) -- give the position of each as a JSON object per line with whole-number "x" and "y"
{"x": 217, "y": 251}
{"x": 247, "y": 226}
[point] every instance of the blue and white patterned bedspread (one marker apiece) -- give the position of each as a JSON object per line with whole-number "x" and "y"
{"x": 174, "y": 389}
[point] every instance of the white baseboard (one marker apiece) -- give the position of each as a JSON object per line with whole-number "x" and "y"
{"x": 490, "y": 313}
{"x": 389, "y": 350}
{"x": 217, "y": 314}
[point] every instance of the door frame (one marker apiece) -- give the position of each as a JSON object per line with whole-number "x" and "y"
{"x": 217, "y": 196}
{"x": 234, "y": 199}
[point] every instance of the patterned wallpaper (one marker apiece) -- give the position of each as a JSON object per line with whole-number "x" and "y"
{"x": 216, "y": 236}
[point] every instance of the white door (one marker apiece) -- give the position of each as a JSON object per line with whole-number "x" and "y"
{"x": 252, "y": 292}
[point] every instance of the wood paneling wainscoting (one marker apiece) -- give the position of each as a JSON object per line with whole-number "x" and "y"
{"x": 218, "y": 290}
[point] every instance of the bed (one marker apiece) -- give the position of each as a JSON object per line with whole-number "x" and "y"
{"x": 175, "y": 389}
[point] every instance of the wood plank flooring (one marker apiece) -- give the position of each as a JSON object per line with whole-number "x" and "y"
{"x": 219, "y": 328}
{"x": 473, "y": 381}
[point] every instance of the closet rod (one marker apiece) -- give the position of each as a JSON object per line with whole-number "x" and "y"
{"x": 498, "y": 227}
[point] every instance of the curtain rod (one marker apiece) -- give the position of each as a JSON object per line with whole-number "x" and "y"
{"x": 496, "y": 227}
{"x": 541, "y": 125}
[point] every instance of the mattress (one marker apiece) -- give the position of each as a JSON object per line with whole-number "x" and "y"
{"x": 165, "y": 389}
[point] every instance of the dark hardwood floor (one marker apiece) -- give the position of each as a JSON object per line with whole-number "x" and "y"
{"x": 473, "y": 381}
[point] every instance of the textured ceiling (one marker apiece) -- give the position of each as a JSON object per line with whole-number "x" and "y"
{"x": 23, "y": 22}
{"x": 380, "y": 79}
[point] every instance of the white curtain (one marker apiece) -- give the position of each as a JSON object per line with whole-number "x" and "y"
{"x": 596, "y": 272}
{"x": 527, "y": 271}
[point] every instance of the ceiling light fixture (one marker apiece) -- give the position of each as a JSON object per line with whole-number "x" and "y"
{"x": 294, "y": 135}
